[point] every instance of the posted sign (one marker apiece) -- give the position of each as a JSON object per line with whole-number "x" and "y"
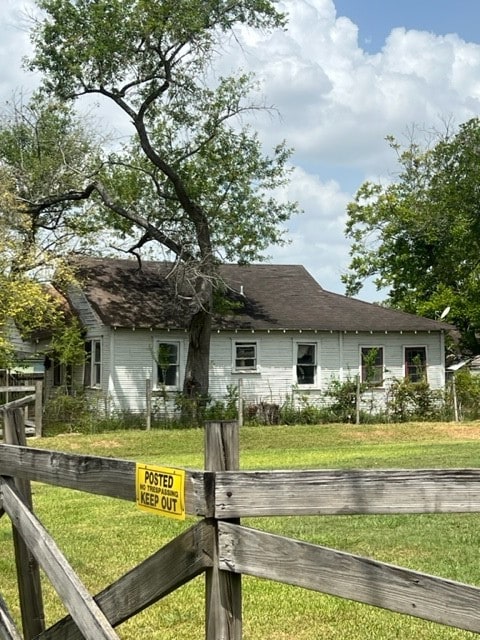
{"x": 161, "y": 490}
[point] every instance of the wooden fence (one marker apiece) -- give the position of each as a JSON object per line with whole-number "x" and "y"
{"x": 35, "y": 397}
{"x": 224, "y": 550}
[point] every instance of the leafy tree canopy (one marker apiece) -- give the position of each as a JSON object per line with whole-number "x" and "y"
{"x": 42, "y": 163}
{"x": 420, "y": 235}
{"x": 194, "y": 178}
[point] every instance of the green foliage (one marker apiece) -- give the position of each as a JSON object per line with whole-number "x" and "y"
{"x": 298, "y": 409}
{"x": 413, "y": 401}
{"x": 194, "y": 178}
{"x": 342, "y": 399}
{"x": 419, "y": 235}
{"x": 84, "y": 45}
{"x": 68, "y": 344}
{"x": 65, "y": 413}
{"x": 226, "y": 410}
{"x": 44, "y": 154}
{"x": 25, "y": 308}
{"x": 468, "y": 394}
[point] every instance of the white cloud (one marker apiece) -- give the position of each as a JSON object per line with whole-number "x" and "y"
{"x": 14, "y": 44}
{"x": 338, "y": 102}
{"x": 316, "y": 234}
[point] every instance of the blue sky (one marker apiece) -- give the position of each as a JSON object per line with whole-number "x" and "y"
{"x": 376, "y": 18}
{"x": 343, "y": 76}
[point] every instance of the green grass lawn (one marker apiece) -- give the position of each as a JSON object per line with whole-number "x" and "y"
{"x": 103, "y": 537}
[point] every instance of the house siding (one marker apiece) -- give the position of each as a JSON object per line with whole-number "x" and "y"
{"x": 127, "y": 362}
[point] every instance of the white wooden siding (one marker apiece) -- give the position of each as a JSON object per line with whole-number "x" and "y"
{"x": 127, "y": 362}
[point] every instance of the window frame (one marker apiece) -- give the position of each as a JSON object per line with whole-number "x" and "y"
{"x": 177, "y": 364}
{"x": 93, "y": 365}
{"x": 313, "y": 365}
{"x": 235, "y": 357}
{"x": 376, "y": 381}
{"x": 417, "y": 377}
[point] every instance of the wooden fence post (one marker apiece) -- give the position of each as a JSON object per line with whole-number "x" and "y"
{"x": 358, "y": 399}
{"x": 148, "y": 401}
{"x": 240, "y": 402}
{"x": 223, "y": 588}
{"x": 28, "y": 573}
{"x": 38, "y": 408}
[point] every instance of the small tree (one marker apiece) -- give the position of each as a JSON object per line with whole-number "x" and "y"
{"x": 43, "y": 156}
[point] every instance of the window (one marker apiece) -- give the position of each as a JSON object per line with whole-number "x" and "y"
{"x": 415, "y": 363}
{"x": 58, "y": 373}
{"x": 62, "y": 374}
{"x": 306, "y": 363}
{"x": 372, "y": 365}
{"x": 93, "y": 363}
{"x": 245, "y": 356}
{"x": 168, "y": 364}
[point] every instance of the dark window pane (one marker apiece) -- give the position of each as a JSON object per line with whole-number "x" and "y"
{"x": 167, "y": 366}
{"x": 306, "y": 363}
{"x": 372, "y": 365}
{"x": 415, "y": 363}
{"x": 245, "y": 356}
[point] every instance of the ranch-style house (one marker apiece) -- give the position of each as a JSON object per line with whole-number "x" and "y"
{"x": 282, "y": 334}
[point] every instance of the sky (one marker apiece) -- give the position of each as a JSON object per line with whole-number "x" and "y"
{"x": 343, "y": 75}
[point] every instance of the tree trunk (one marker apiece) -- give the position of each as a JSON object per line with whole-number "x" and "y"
{"x": 198, "y": 358}
{"x": 195, "y": 386}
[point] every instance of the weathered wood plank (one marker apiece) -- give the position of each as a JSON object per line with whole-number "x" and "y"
{"x": 8, "y": 630}
{"x": 176, "y": 563}
{"x": 99, "y": 475}
{"x": 80, "y": 604}
{"x": 19, "y": 388}
{"x": 322, "y": 492}
{"x": 223, "y": 590}
{"x": 16, "y": 404}
{"x": 28, "y": 571}
{"x": 337, "y": 573}
{"x": 38, "y": 408}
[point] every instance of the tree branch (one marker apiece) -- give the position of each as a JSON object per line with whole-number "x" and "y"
{"x": 143, "y": 223}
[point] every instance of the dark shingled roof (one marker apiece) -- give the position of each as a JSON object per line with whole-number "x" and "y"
{"x": 266, "y": 297}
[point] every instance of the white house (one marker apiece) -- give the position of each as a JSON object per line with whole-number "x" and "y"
{"x": 285, "y": 335}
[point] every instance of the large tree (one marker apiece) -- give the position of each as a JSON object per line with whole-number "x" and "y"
{"x": 44, "y": 156}
{"x": 419, "y": 236}
{"x": 194, "y": 177}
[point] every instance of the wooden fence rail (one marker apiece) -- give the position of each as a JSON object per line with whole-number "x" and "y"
{"x": 219, "y": 546}
{"x": 34, "y": 426}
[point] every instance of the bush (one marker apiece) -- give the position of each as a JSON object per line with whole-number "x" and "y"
{"x": 413, "y": 401}
{"x": 66, "y": 413}
{"x": 342, "y": 398}
{"x": 468, "y": 394}
{"x": 81, "y": 413}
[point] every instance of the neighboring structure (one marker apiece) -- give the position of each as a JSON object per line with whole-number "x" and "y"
{"x": 284, "y": 335}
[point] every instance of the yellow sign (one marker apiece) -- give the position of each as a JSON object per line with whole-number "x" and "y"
{"x": 161, "y": 490}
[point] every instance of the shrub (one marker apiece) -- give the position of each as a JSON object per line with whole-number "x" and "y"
{"x": 413, "y": 401}
{"x": 342, "y": 399}
{"x": 467, "y": 387}
{"x": 262, "y": 413}
{"x": 65, "y": 413}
